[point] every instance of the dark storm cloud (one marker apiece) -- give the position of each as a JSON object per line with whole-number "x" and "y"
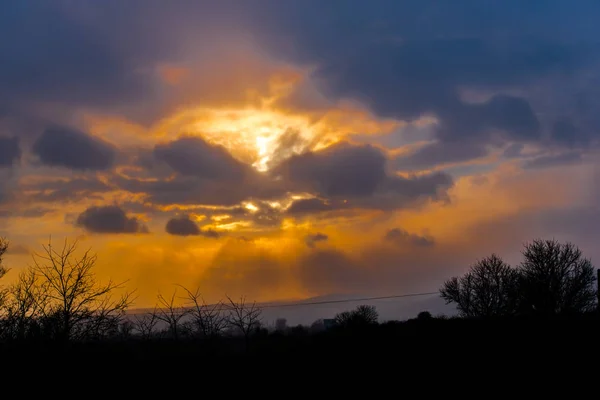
{"x": 309, "y": 206}
{"x": 312, "y": 240}
{"x": 411, "y": 58}
{"x": 339, "y": 170}
{"x": 83, "y": 53}
{"x": 193, "y": 156}
{"x": 184, "y": 226}
{"x": 65, "y": 147}
{"x": 109, "y": 219}
{"x": 358, "y": 173}
{"x": 10, "y": 152}
{"x": 342, "y": 176}
{"x": 401, "y": 237}
{"x": 402, "y": 58}
{"x": 204, "y": 174}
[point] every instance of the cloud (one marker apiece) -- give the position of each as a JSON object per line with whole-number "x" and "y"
{"x": 193, "y": 156}
{"x": 184, "y": 226}
{"x": 481, "y": 85}
{"x": 309, "y": 206}
{"x": 552, "y": 160}
{"x": 439, "y": 153}
{"x": 358, "y": 174}
{"x": 65, "y": 190}
{"x": 204, "y": 174}
{"x": 565, "y": 132}
{"x": 312, "y": 240}
{"x": 10, "y": 152}
{"x": 401, "y": 237}
{"x": 338, "y": 171}
{"x": 109, "y": 219}
{"x": 19, "y": 249}
{"x": 65, "y": 147}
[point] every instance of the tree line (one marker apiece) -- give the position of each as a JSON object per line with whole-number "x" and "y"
{"x": 59, "y": 298}
{"x": 553, "y": 278}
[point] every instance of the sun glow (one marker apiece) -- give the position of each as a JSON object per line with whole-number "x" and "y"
{"x": 259, "y": 137}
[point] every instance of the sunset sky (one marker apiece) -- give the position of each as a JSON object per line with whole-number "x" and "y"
{"x": 285, "y": 149}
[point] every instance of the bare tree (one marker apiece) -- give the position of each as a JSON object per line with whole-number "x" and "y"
{"x": 145, "y": 323}
{"x": 244, "y": 317}
{"x": 363, "y": 315}
{"x": 208, "y": 320}
{"x": 367, "y": 313}
{"x": 74, "y": 301}
{"x": 3, "y": 269}
{"x": 170, "y": 314}
{"x": 556, "y": 279}
{"x": 488, "y": 289}
{"x": 24, "y": 302}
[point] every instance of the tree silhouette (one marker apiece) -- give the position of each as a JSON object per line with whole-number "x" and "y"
{"x": 556, "y": 279}
{"x": 68, "y": 296}
{"x": 424, "y": 316}
{"x": 24, "y": 302}
{"x": 363, "y": 315}
{"x": 145, "y": 323}
{"x": 170, "y": 314}
{"x": 3, "y": 270}
{"x": 488, "y": 289}
{"x": 244, "y": 317}
{"x": 207, "y": 320}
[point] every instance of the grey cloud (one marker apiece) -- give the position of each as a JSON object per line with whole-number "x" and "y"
{"x": 379, "y": 53}
{"x": 309, "y": 206}
{"x": 109, "y": 219}
{"x": 193, "y": 156}
{"x": 401, "y": 237}
{"x": 439, "y": 153}
{"x": 312, "y": 240}
{"x": 101, "y": 55}
{"x": 514, "y": 150}
{"x": 10, "y": 152}
{"x": 189, "y": 190}
{"x": 565, "y": 132}
{"x": 339, "y": 170}
{"x": 356, "y": 176}
{"x": 569, "y": 157}
{"x": 204, "y": 175}
{"x": 184, "y": 226}
{"x": 65, "y": 190}
{"x": 65, "y": 147}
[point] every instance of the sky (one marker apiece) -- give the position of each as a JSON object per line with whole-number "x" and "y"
{"x": 284, "y": 150}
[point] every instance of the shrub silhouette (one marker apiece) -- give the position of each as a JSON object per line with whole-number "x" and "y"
{"x": 556, "y": 279}
{"x": 424, "y": 316}
{"x": 488, "y": 289}
{"x": 363, "y": 315}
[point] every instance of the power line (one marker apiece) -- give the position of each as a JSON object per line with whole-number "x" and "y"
{"x": 347, "y": 300}
{"x": 224, "y": 307}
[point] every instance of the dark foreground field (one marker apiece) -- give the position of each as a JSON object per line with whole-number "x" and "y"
{"x": 443, "y": 341}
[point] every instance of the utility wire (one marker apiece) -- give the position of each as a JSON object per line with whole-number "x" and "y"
{"x": 224, "y": 307}
{"x": 312, "y": 303}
